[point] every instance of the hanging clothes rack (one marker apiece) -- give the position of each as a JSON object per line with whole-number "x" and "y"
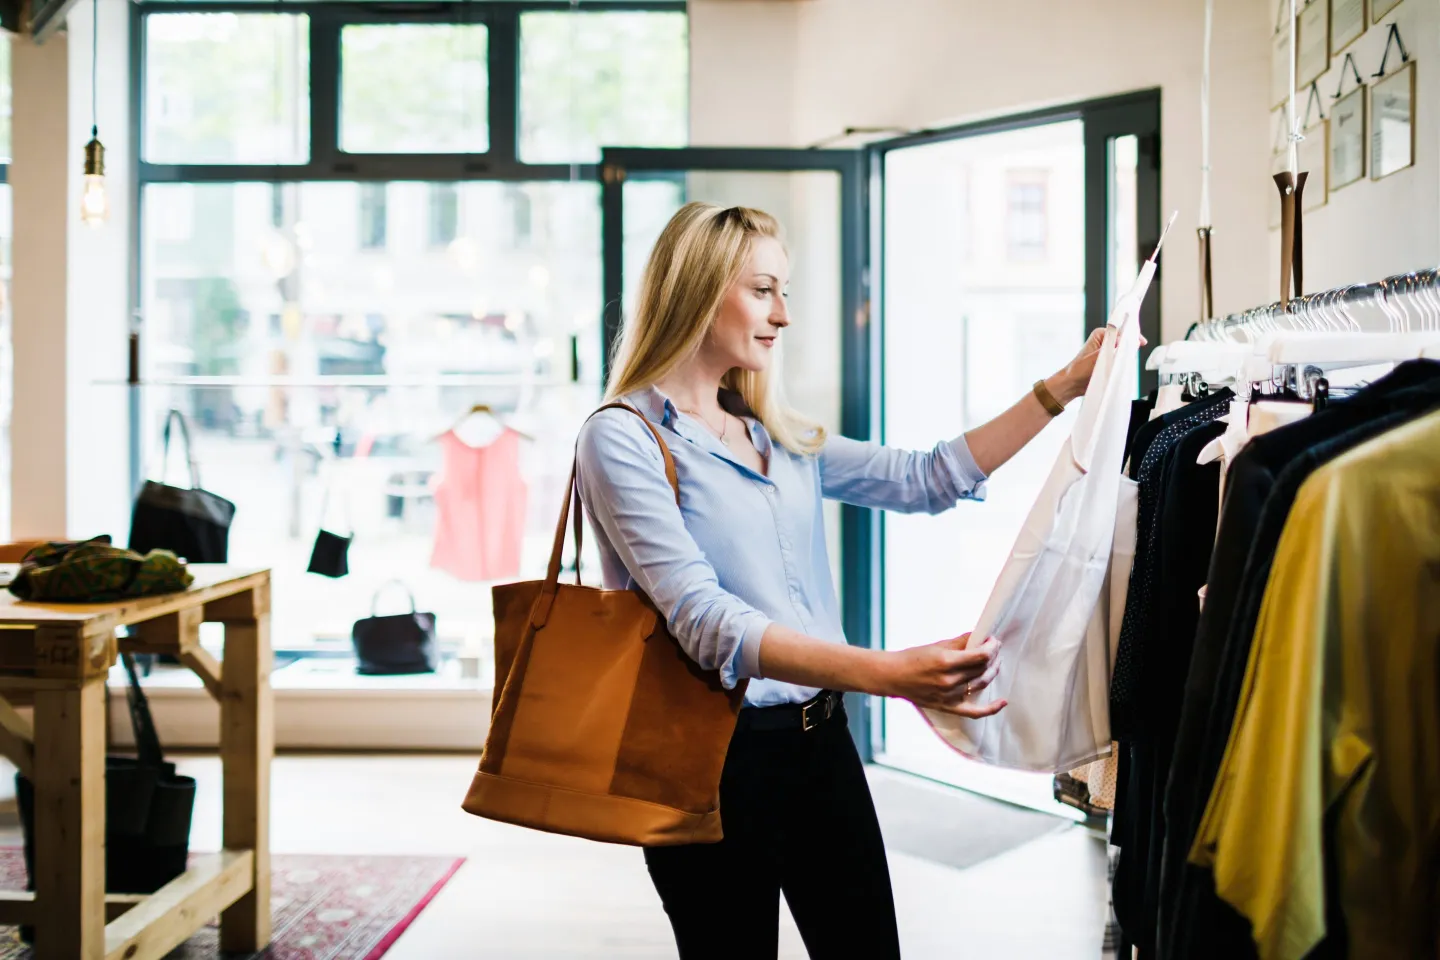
{"x": 1407, "y": 302}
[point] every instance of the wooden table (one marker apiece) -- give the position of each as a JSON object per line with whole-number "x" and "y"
{"x": 61, "y": 655}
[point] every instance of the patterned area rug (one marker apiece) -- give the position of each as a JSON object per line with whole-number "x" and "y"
{"x": 324, "y": 907}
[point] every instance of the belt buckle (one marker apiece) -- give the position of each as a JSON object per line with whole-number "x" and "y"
{"x": 806, "y": 724}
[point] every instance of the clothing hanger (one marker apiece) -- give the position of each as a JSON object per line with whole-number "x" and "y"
{"x": 481, "y": 410}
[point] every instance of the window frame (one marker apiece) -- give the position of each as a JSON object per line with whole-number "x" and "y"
{"x": 327, "y": 160}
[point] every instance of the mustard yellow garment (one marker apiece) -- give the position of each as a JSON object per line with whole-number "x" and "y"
{"x": 1340, "y": 714}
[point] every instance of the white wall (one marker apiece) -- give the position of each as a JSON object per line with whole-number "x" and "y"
{"x": 70, "y": 295}
{"x": 925, "y": 63}
{"x": 39, "y": 185}
{"x": 742, "y": 72}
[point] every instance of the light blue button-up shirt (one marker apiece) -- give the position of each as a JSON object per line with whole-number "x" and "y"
{"x": 744, "y": 549}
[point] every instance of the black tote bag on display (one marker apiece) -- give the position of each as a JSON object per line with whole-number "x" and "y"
{"x": 190, "y": 522}
{"x": 398, "y": 643}
{"x": 148, "y": 809}
{"x": 330, "y": 555}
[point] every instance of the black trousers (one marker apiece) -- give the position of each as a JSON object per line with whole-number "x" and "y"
{"x": 798, "y": 818}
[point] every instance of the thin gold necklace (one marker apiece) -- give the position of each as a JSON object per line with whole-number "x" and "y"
{"x": 724, "y": 424}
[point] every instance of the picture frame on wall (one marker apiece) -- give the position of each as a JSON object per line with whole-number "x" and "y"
{"x": 1378, "y": 9}
{"x": 1348, "y": 23}
{"x": 1348, "y": 138}
{"x": 1315, "y": 159}
{"x": 1312, "y": 53}
{"x": 1392, "y": 122}
{"x": 1280, "y": 55}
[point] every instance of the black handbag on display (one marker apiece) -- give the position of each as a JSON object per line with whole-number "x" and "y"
{"x": 330, "y": 555}
{"x": 397, "y": 643}
{"x": 189, "y": 522}
{"x": 148, "y": 808}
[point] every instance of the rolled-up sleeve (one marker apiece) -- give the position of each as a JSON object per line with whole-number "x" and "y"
{"x": 622, "y": 482}
{"x": 870, "y": 474}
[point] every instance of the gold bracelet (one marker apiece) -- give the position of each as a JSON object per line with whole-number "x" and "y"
{"x": 1047, "y": 399}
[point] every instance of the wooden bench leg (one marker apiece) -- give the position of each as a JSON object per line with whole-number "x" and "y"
{"x": 70, "y": 823}
{"x": 247, "y": 743}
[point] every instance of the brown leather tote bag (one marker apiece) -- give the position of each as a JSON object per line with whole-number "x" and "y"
{"x": 602, "y": 726}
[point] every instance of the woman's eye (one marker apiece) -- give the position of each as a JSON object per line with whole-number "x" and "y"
{"x": 762, "y": 291}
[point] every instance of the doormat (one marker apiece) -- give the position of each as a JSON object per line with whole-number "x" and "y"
{"x": 324, "y": 907}
{"x": 951, "y": 826}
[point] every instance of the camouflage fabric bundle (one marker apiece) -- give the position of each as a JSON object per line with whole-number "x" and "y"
{"x": 94, "y": 571}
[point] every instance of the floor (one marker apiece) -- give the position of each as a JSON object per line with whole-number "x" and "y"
{"x": 524, "y": 895}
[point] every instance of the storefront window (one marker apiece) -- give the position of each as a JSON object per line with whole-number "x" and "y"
{"x": 227, "y": 88}
{"x": 414, "y": 88}
{"x": 593, "y": 79}
{"x": 334, "y": 370}
{"x": 324, "y": 336}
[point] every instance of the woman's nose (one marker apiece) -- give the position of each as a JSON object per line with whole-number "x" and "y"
{"x": 780, "y": 314}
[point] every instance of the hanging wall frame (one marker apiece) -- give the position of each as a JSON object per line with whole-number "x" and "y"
{"x": 1315, "y": 160}
{"x": 1312, "y": 57}
{"x": 1314, "y": 151}
{"x": 1347, "y": 138}
{"x": 1378, "y": 8}
{"x": 1392, "y": 122}
{"x": 1348, "y": 23}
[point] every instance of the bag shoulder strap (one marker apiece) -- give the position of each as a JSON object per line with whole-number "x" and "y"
{"x": 175, "y": 416}
{"x": 552, "y": 573}
{"x": 147, "y": 742}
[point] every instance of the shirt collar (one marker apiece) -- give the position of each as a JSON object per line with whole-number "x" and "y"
{"x": 659, "y": 408}
{"x": 654, "y": 404}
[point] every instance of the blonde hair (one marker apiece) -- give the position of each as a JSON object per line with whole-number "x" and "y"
{"x": 699, "y": 256}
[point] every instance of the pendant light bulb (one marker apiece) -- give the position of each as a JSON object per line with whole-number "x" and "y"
{"x": 94, "y": 202}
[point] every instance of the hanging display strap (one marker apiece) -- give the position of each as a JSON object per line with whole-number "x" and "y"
{"x": 1207, "y": 280}
{"x": 1291, "y": 185}
{"x": 1313, "y": 105}
{"x": 1394, "y": 39}
{"x": 1348, "y": 66}
{"x": 1204, "y": 232}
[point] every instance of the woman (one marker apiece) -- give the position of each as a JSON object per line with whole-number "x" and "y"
{"x": 741, "y": 573}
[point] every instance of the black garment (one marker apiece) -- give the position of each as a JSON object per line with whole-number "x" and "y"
{"x": 798, "y": 817}
{"x": 1139, "y": 416}
{"x": 1263, "y": 483}
{"x": 1147, "y": 459}
{"x": 1181, "y": 535}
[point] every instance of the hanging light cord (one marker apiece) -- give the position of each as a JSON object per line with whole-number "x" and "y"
{"x": 94, "y": 64}
{"x": 1205, "y": 118}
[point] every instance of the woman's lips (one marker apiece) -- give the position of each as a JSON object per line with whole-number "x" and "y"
{"x": 768, "y": 341}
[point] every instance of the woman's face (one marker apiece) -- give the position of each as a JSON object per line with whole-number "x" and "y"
{"x": 753, "y": 311}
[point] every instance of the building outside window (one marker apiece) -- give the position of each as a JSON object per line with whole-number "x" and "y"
{"x": 373, "y": 215}
{"x": 1027, "y": 224}
{"x": 444, "y": 213}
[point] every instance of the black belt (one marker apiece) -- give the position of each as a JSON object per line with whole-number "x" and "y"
{"x": 824, "y": 706}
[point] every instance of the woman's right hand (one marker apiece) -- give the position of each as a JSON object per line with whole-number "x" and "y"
{"x": 939, "y": 676}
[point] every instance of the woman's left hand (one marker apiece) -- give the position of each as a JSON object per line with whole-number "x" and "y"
{"x": 1070, "y": 383}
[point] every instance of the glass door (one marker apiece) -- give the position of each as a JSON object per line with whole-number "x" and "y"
{"x": 1000, "y": 247}
{"x": 819, "y": 198}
